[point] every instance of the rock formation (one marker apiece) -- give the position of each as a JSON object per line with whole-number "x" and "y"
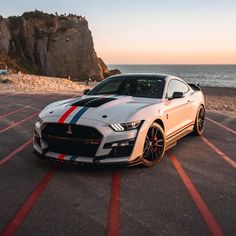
{"x": 105, "y": 71}
{"x": 52, "y": 45}
{"x": 4, "y": 35}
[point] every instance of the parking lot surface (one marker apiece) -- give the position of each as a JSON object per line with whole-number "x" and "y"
{"x": 191, "y": 192}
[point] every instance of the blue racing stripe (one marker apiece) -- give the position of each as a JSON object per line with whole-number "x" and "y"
{"x": 78, "y": 115}
{"x": 72, "y": 158}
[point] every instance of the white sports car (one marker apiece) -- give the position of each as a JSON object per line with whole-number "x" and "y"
{"x": 125, "y": 119}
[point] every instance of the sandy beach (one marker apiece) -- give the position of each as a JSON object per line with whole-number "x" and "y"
{"x": 217, "y": 98}
{"x": 220, "y": 98}
{"x": 26, "y": 83}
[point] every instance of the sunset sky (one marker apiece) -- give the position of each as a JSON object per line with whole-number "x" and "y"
{"x": 150, "y": 31}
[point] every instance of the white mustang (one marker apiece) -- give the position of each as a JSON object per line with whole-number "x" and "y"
{"x": 125, "y": 119}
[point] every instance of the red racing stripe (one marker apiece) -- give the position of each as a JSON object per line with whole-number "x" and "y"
{"x": 114, "y": 206}
{"x": 66, "y": 114}
{"x": 61, "y": 157}
{"x": 201, "y": 205}
{"x": 11, "y": 228}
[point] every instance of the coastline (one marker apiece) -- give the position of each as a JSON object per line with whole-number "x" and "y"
{"x": 216, "y": 98}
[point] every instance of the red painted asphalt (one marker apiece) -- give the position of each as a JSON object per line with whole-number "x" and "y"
{"x": 12, "y": 112}
{"x": 15, "y": 152}
{"x": 11, "y": 228}
{"x": 18, "y": 122}
{"x": 219, "y": 152}
{"x": 113, "y": 224}
{"x": 222, "y": 126}
{"x": 213, "y": 226}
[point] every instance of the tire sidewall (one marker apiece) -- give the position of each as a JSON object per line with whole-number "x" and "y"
{"x": 196, "y": 128}
{"x": 150, "y": 164}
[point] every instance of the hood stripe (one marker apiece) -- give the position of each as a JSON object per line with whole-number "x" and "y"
{"x": 78, "y": 115}
{"x": 66, "y": 114}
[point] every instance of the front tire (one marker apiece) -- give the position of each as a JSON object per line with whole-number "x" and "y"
{"x": 199, "y": 122}
{"x": 154, "y": 146}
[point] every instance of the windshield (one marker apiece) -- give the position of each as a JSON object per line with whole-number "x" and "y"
{"x": 150, "y": 87}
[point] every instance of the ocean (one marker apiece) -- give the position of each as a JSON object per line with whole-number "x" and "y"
{"x": 205, "y": 75}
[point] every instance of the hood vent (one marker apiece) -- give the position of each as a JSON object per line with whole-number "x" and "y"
{"x": 92, "y": 102}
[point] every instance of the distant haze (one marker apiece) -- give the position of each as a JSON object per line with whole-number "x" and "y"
{"x": 150, "y": 31}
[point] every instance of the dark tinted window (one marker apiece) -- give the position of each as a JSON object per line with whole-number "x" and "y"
{"x": 149, "y": 87}
{"x": 176, "y": 86}
{"x": 110, "y": 88}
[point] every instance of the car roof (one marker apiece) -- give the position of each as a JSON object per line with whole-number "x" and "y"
{"x": 143, "y": 75}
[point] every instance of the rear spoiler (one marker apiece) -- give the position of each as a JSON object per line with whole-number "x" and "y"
{"x": 195, "y": 87}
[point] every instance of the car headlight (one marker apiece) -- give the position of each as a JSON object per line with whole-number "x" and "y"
{"x": 125, "y": 126}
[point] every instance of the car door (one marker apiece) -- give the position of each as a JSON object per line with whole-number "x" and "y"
{"x": 177, "y": 110}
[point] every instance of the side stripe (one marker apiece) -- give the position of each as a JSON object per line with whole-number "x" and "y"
{"x": 78, "y": 115}
{"x": 66, "y": 114}
{"x": 180, "y": 129}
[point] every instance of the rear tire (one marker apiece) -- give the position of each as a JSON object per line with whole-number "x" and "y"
{"x": 200, "y": 121}
{"x": 154, "y": 146}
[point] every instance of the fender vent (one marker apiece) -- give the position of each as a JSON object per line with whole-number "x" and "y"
{"x": 93, "y": 102}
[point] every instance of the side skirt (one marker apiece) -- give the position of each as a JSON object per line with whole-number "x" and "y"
{"x": 172, "y": 141}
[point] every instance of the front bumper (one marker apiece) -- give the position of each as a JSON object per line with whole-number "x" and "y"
{"x": 104, "y": 155}
{"x": 86, "y": 160}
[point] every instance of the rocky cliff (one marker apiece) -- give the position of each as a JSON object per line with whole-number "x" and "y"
{"x": 52, "y": 45}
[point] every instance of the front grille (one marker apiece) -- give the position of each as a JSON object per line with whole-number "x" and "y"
{"x": 72, "y": 139}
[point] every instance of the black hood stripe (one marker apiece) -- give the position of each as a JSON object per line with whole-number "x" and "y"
{"x": 93, "y": 102}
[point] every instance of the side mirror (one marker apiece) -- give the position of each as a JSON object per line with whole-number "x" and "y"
{"x": 86, "y": 91}
{"x": 177, "y": 95}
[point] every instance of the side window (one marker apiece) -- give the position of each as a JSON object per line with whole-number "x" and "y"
{"x": 176, "y": 86}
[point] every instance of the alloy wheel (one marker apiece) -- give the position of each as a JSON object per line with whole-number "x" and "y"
{"x": 154, "y": 146}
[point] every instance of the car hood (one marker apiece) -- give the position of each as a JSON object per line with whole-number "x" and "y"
{"x": 106, "y": 109}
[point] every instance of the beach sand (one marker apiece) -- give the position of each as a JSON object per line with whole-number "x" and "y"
{"x": 216, "y": 98}
{"x": 220, "y": 98}
{"x": 25, "y": 83}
